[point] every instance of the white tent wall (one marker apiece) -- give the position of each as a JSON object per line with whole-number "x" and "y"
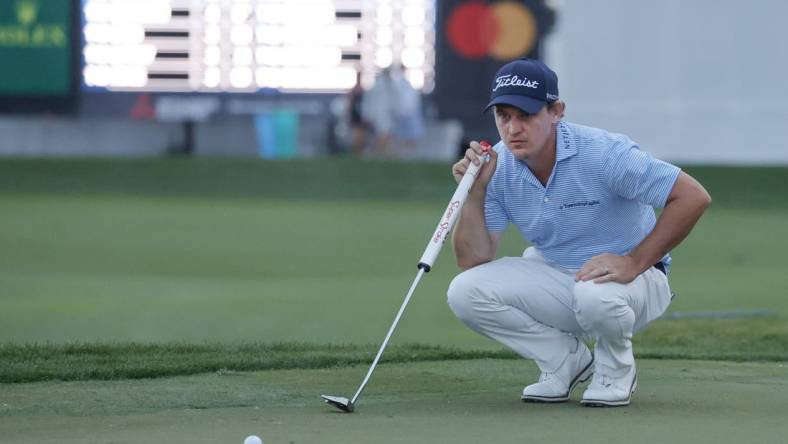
{"x": 692, "y": 81}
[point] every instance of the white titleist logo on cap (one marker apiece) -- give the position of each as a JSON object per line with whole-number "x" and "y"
{"x": 510, "y": 80}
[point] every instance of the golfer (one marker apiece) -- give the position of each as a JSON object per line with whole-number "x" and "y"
{"x": 598, "y": 263}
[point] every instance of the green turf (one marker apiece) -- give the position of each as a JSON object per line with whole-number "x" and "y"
{"x": 730, "y": 339}
{"x": 164, "y": 269}
{"x": 117, "y": 269}
{"x": 116, "y": 361}
{"x": 744, "y": 187}
{"x": 210, "y": 250}
{"x": 450, "y": 401}
{"x": 227, "y": 178}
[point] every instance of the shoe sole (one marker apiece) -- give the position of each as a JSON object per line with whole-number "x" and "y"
{"x": 606, "y": 403}
{"x": 583, "y": 376}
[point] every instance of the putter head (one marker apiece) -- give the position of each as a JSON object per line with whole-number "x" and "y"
{"x": 339, "y": 402}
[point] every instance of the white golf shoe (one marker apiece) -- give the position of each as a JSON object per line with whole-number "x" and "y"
{"x": 605, "y": 391}
{"x": 557, "y": 386}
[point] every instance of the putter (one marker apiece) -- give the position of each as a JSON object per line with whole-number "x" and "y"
{"x": 425, "y": 264}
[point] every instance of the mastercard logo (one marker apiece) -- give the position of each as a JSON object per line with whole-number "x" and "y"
{"x": 504, "y": 30}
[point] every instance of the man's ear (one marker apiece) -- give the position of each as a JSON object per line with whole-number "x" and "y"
{"x": 557, "y": 110}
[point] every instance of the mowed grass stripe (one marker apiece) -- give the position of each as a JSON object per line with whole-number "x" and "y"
{"x": 729, "y": 339}
{"x": 314, "y": 179}
{"x": 457, "y": 402}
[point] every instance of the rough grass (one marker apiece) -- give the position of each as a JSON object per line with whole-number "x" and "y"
{"x": 110, "y": 361}
{"x": 729, "y": 339}
{"x": 754, "y": 339}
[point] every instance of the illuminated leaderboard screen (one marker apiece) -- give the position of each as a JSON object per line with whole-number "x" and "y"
{"x": 249, "y": 45}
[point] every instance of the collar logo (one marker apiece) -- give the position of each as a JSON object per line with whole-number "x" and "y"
{"x": 513, "y": 80}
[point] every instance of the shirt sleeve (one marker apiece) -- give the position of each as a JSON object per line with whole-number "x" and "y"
{"x": 635, "y": 174}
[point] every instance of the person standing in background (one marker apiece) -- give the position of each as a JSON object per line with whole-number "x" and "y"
{"x": 378, "y": 108}
{"x": 409, "y": 119}
{"x": 358, "y": 126}
{"x": 393, "y": 109}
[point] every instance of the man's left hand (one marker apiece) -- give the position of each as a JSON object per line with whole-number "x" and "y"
{"x": 609, "y": 267}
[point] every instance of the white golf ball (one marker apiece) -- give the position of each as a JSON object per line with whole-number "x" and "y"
{"x": 253, "y": 439}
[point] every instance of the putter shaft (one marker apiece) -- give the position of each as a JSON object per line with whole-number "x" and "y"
{"x": 388, "y": 336}
{"x": 445, "y": 225}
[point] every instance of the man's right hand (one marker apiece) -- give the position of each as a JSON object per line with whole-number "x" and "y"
{"x": 475, "y": 154}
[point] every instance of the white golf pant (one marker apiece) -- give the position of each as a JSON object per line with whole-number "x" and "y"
{"x": 540, "y": 312}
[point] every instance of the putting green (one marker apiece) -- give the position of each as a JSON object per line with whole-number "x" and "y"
{"x": 448, "y": 401}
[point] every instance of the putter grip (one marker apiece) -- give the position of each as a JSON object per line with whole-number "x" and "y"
{"x": 450, "y": 215}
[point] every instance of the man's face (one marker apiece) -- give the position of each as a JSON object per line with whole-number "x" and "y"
{"x": 526, "y": 135}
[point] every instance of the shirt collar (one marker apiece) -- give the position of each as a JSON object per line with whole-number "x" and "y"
{"x": 564, "y": 146}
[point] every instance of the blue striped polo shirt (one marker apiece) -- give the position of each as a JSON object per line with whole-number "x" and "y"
{"x": 600, "y": 197}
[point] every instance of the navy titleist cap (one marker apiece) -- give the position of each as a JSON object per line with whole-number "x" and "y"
{"x": 527, "y": 84}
